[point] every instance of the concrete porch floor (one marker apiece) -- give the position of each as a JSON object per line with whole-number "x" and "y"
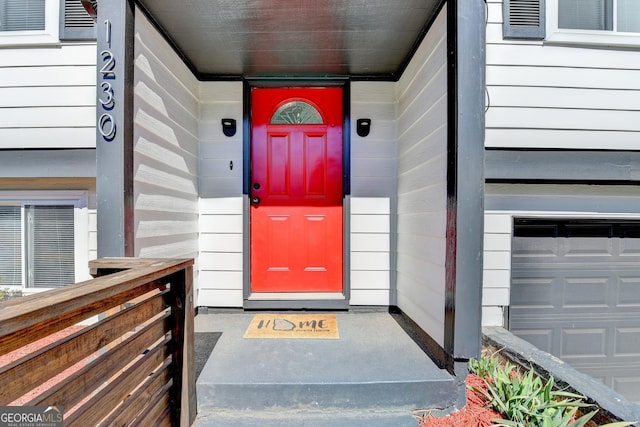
{"x": 374, "y": 375}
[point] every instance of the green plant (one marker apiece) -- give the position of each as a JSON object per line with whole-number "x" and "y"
{"x": 485, "y": 367}
{"x": 526, "y": 401}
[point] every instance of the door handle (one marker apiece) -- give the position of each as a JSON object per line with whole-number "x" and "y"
{"x": 255, "y": 199}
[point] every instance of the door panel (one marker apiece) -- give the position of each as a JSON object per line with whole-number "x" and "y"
{"x": 296, "y": 210}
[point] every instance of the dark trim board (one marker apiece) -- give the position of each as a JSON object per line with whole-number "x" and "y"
{"x": 452, "y": 179}
{"x": 423, "y": 340}
{"x": 69, "y": 162}
{"x": 562, "y": 166}
{"x": 576, "y": 227}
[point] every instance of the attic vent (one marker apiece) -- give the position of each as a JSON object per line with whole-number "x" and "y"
{"x": 77, "y": 24}
{"x": 75, "y": 16}
{"x": 524, "y": 13}
{"x": 524, "y": 19}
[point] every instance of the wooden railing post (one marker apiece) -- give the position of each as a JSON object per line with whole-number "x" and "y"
{"x": 183, "y": 395}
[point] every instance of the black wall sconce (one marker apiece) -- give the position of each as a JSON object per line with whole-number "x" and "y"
{"x": 229, "y": 127}
{"x": 363, "y": 126}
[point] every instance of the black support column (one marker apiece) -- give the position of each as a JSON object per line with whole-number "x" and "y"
{"x": 465, "y": 192}
{"x": 114, "y": 129}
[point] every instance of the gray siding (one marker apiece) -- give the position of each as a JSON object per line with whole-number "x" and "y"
{"x": 47, "y": 97}
{"x": 373, "y": 158}
{"x": 552, "y": 95}
{"x": 220, "y": 100}
{"x": 165, "y": 149}
{"x": 422, "y": 183}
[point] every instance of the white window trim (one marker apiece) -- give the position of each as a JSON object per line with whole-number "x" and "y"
{"x": 79, "y": 200}
{"x": 592, "y": 38}
{"x": 50, "y": 34}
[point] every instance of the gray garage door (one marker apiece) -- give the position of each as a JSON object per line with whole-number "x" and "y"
{"x": 575, "y": 293}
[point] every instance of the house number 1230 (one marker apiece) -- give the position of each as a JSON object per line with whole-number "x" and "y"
{"x": 106, "y": 122}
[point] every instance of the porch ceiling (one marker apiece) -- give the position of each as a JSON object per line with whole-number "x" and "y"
{"x": 284, "y": 38}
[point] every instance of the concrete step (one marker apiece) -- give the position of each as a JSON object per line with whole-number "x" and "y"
{"x": 387, "y": 417}
{"x": 374, "y": 372}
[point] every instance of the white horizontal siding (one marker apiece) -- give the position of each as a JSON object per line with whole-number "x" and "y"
{"x": 63, "y": 137}
{"x": 544, "y": 95}
{"x": 422, "y": 176}
{"x": 561, "y": 56}
{"x": 496, "y": 280}
{"x": 47, "y": 75}
{"x": 564, "y": 118}
{"x": 370, "y": 256}
{"x": 573, "y": 98}
{"x": 93, "y": 230}
{"x": 165, "y": 149}
{"x": 47, "y": 117}
{"x": 66, "y": 55}
{"x": 504, "y": 75}
{"x": 47, "y": 97}
{"x": 220, "y": 263}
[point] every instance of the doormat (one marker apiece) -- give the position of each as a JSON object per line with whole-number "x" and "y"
{"x": 203, "y": 346}
{"x": 306, "y": 326}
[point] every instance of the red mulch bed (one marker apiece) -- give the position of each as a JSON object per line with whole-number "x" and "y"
{"x": 476, "y": 413}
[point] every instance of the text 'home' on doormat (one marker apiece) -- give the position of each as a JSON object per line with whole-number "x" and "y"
{"x": 306, "y": 326}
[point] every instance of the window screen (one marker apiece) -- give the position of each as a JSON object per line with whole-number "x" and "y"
{"x": 585, "y": 14}
{"x": 629, "y": 16}
{"x": 49, "y": 246}
{"x": 10, "y": 246}
{"x": 22, "y": 15}
{"x": 600, "y": 15}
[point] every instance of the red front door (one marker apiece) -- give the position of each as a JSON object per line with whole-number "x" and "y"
{"x": 296, "y": 190}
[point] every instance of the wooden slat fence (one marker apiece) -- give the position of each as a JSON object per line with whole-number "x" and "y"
{"x": 133, "y": 362}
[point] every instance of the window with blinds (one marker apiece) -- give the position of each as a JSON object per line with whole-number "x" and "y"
{"x": 585, "y": 14}
{"x": 49, "y": 246}
{"x": 22, "y": 15}
{"x": 37, "y": 247}
{"x": 10, "y": 246}
{"x": 599, "y": 15}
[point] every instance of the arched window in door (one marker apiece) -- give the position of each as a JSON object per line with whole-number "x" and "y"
{"x": 296, "y": 113}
